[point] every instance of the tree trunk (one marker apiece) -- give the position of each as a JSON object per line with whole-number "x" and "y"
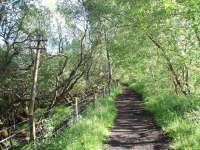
{"x": 34, "y": 92}
{"x": 176, "y": 80}
{"x": 186, "y": 80}
{"x": 109, "y": 65}
{"x": 175, "y": 87}
{"x": 53, "y": 102}
{"x": 109, "y": 70}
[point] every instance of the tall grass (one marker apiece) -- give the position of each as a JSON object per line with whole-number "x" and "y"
{"x": 57, "y": 115}
{"x": 90, "y": 130}
{"x": 178, "y": 116}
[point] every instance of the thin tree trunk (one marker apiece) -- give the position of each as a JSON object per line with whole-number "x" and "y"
{"x": 34, "y": 92}
{"x": 186, "y": 80}
{"x": 175, "y": 87}
{"x": 109, "y": 65}
{"x": 53, "y": 102}
{"x": 56, "y": 90}
{"x": 176, "y": 81}
{"x": 109, "y": 70}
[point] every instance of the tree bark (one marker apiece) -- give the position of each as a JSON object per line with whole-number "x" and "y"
{"x": 186, "y": 79}
{"x": 109, "y": 64}
{"x": 176, "y": 81}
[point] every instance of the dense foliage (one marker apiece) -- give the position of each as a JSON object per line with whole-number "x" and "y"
{"x": 90, "y": 130}
{"x": 155, "y": 47}
{"x": 68, "y": 64}
{"x": 48, "y": 57}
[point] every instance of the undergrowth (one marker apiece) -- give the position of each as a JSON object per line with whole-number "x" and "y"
{"x": 89, "y": 131}
{"x": 56, "y": 116}
{"x": 178, "y": 116}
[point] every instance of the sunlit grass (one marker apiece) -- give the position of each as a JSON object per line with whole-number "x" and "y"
{"x": 90, "y": 130}
{"x": 56, "y": 116}
{"x": 176, "y": 115}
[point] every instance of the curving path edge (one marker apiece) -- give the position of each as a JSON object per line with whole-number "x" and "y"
{"x": 134, "y": 127}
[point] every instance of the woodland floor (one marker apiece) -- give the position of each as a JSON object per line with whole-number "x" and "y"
{"x": 134, "y": 127}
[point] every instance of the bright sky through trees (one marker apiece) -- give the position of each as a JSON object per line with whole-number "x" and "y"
{"x": 51, "y": 4}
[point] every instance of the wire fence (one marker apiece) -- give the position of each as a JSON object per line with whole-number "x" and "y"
{"x": 79, "y": 105}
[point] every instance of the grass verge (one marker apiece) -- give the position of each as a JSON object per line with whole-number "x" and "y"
{"x": 178, "y": 116}
{"x": 90, "y": 130}
{"x": 57, "y": 115}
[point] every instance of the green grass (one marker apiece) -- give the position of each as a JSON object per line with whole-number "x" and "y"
{"x": 178, "y": 116}
{"x": 57, "y": 115}
{"x": 89, "y": 131}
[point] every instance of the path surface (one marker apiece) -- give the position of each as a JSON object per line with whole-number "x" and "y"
{"x": 134, "y": 127}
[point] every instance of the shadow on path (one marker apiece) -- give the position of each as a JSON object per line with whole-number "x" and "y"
{"x": 134, "y": 127}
